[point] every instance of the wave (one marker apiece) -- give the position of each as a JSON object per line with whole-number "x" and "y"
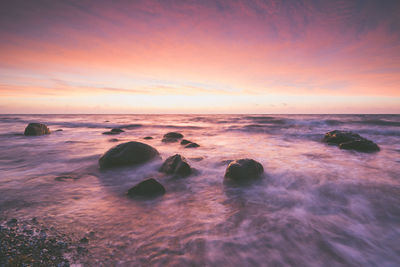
{"x": 378, "y": 122}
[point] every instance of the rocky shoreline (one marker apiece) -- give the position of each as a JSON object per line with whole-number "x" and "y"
{"x": 32, "y": 243}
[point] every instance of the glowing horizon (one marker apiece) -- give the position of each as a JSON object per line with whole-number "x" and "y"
{"x": 200, "y": 57}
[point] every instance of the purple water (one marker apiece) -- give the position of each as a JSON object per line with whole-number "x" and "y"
{"x": 316, "y": 206}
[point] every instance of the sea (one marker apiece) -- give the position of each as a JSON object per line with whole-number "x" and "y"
{"x": 316, "y": 205}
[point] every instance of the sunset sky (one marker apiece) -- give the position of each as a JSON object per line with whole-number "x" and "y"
{"x": 239, "y": 56}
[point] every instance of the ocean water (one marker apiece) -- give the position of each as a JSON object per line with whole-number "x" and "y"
{"x": 316, "y": 205}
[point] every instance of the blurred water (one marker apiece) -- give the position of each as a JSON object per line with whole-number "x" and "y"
{"x": 317, "y": 205}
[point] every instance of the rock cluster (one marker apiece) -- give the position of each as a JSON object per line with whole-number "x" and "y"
{"x": 241, "y": 170}
{"x": 350, "y": 140}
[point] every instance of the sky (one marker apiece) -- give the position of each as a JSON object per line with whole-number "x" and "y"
{"x": 170, "y": 56}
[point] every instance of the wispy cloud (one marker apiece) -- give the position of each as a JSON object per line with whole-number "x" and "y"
{"x": 253, "y": 47}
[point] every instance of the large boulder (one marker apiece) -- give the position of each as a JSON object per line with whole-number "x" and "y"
{"x": 147, "y": 188}
{"x": 34, "y": 129}
{"x": 127, "y": 154}
{"x": 350, "y": 140}
{"x": 172, "y": 137}
{"x": 244, "y": 170}
{"x": 177, "y": 165}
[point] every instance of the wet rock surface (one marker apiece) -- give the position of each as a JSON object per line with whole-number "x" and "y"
{"x": 350, "y": 141}
{"x": 127, "y": 154}
{"x": 176, "y": 165}
{"x": 244, "y": 170}
{"x": 35, "y": 129}
{"x": 147, "y": 188}
{"x": 30, "y": 243}
{"x": 172, "y": 137}
{"x": 148, "y": 138}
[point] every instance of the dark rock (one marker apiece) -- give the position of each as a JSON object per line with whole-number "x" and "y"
{"x": 84, "y": 240}
{"x": 114, "y": 131}
{"x": 148, "y": 137}
{"x": 12, "y": 221}
{"x": 185, "y": 142}
{"x": 113, "y": 140}
{"x": 127, "y": 154}
{"x": 350, "y": 140}
{"x": 338, "y": 137}
{"x": 59, "y": 130}
{"x": 81, "y": 250}
{"x": 176, "y": 164}
{"x": 34, "y": 129}
{"x": 244, "y": 169}
{"x": 360, "y": 145}
{"x": 110, "y": 133}
{"x": 192, "y": 145}
{"x": 117, "y": 130}
{"x": 171, "y": 137}
{"x": 147, "y": 188}
{"x": 64, "y": 178}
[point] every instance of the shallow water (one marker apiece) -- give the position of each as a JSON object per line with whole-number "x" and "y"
{"x": 316, "y": 205}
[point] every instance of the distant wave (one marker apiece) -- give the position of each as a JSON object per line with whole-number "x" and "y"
{"x": 379, "y": 122}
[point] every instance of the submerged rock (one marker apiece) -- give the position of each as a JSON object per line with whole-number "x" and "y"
{"x": 350, "y": 140}
{"x": 185, "y": 142}
{"x": 192, "y": 145}
{"x": 243, "y": 170}
{"x": 148, "y": 138}
{"x": 34, "y": 129}
{"x": 176, "y": 164}
{"x": 127, "y": 154}
{"x": 189, "y": 144}
{"x": 114, "y": 131}
{"x": 197, "y": 158}
{"x": 147, "y": 188}
{"x": 172, "y": 137}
